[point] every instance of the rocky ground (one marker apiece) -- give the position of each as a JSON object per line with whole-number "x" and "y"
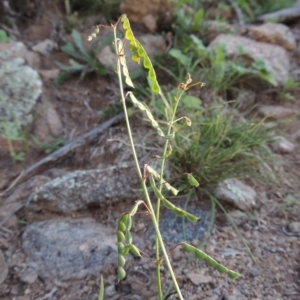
{"x": 58, "y": 217}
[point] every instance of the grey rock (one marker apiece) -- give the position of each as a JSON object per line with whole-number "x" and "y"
{"x": 110, "y": 290}
{"x": 47, "y": 124}
{"x": 236, "y": 295}
{"x": 283, "y": 15}
{"x": 275, "y": 112}
{"x": 78, "y": 189}
{"x": 236, "y": 193}
{"x": 68, "y": 249}
{"x": 29, "y": 276}
{"x": 175, "y": 229}
{"x": 198, "y": 278}
{"x": 275, "y": 57}
{"x": 20, "y": 87}
{"x": 45, "y": 47}
{"x": 278, "y": 34}
{"x": 294, "y": 227}
{"x": 283, "y": 146}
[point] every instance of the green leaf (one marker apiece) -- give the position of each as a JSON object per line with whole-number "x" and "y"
{"x": 202, "y": 50}
{"x": 209, "y": 260}
{"x": 181, "y": 57}
{"x": 76, "y": 66}
{"x": 198, "y": 19}
{"x": 62, "y": 78}
{"x": 191, "y": 102}
{"x": 3, "y": 37}
{"x": 78, "y": 42}
{"x": 70, "y": 49}
{"x": 69, "y": 69}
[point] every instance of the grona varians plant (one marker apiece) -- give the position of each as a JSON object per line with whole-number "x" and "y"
{"x": 149, "y": 176}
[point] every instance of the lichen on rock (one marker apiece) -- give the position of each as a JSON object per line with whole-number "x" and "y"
{"x": 20, "y": 87}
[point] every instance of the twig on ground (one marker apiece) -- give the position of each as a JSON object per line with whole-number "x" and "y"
{"x": 58, "y": 154}
{"x": 238, "y": 11}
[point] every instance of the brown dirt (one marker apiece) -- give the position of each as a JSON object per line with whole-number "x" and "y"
{"x": 276, "y": 275}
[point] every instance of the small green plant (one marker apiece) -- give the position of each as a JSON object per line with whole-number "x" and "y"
{"x": 3, "y": 37}
{"x": 82, "y": 61}
{"x": 157, "y": 180}
{"x": 255, "y": 8}
{"x": 214, "y": 67}
{"x": 50, "y": 146}
{"x": 291, "y": 204}
{"x": 13, "y": 133}
{"x": 289, "y": 87}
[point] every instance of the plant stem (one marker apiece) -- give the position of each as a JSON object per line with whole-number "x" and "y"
{"x": 157, "y": 248}
{"x": 160, "y": 242}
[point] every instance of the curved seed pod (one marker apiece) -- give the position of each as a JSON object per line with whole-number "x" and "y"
{"x": 139, "y": 52}
{"x": 121, "y": 261}
{"x": 167, "y": 185}
{"x": 135, "y": 207}
{"x": 121, "y": 236}
{"x": 121, "y": 226}
{"x": 120, "y": 247}
{"x": 121, "y": 274}
{"x": 134, "y": 250}
{"x": 123, "y": 222}
{"x": 168, "y": 153}
{"x": 128, "y": 223}
{"x": 128, "y": 237}
{"x": 169, "y": 205}
{"x": 122, "y": 59}
{"x": 154, "y": 123}
{"x": 126, "y": 250}
{"x": 192, "y": 180}
{"x": 209, "y": 260}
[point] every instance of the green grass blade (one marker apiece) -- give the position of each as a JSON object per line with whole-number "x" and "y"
{"x": 101, "y": 291}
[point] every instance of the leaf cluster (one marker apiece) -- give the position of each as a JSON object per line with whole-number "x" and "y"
{"x": 81, "y": 60}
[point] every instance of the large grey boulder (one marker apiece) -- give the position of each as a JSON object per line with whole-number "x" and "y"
{"x": 79, "y": 189}
{"x": 68, "y": 249}
{"x": 278, "y": 34}
{"x": 275, "y": 57}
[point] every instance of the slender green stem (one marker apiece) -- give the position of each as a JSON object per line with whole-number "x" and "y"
{"x": 143, "y": 183}
{"x": 157, "y": 249}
